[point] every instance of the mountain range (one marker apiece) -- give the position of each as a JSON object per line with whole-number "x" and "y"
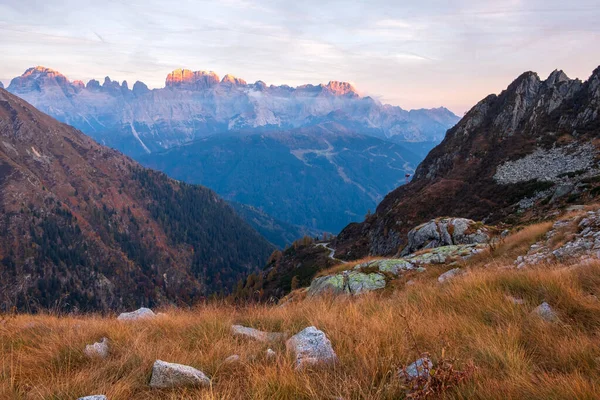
{"x": 83, "y": 227}
{"x": 316, "y": 156}
{"x": 197, "y": 104}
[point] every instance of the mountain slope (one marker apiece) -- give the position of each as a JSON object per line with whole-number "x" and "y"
{"x": 513, "y": 157}
{"x": 84, "y": 227}
{"x": 197, "y": 104}
{"x": 322, "y": 177}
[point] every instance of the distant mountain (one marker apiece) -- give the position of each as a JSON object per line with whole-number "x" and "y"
{"x": 515, "y": 157}
{"x": 193, "y": 105}
{"x": 83, "y": 227}
{"x": 322, "y": 177}
{"x": 280, "y": 233}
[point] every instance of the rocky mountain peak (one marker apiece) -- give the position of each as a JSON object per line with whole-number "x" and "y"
{"x": 1, "y": 85}
{"x": 36, "y": 79}
{"x": 557, "y": 76}
{"x": 341, "y": 88}
{"x": 140, "y": 88}
{"x": 232, "y": 80}
{"x": 193, "y": 80}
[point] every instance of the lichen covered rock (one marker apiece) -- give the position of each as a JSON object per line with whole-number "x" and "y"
{"x": 170, "y": 375}
{"x": 255, "y": 334}
{"x": 311, "y": 347}
{"x": 98, "y": 349}
{"x": 347, "y": 282}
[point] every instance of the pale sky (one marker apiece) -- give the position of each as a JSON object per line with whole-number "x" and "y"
{"x": 414, "y": 54}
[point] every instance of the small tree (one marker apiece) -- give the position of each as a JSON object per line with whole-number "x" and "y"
{"x": 295, "y": 282}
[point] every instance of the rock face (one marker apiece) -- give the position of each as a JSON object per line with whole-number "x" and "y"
{"x": 445, "y": 232}
{"x": 195, "y": 104}
{"x": 98, "y": 349}
{"x": 255, "y": 334}
{"x": 511, "y": 152}
{"x": 545, "y": 312}
{"x": 311, "y": 347}
{"x": 349, "y": 282}
{"x": 169, "y": 375}
{"x": 139, "y": 314}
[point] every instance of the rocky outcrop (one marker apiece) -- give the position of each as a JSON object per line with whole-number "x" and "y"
{"x": 255, "y": 334}
{"x": 445, "y": 232}
{"x": 137, "y": 315}
{"x": 446, "y": 254}
{"x": 170, "y": 375}
{"x": 98, "y": 349}
{"x": 192, "y": 80}
{"x": 580, "y": 242}
{"x": 311, "y": 347}
{"x": 349, "y": 282}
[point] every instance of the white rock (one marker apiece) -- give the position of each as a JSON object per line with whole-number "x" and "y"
{"x": 418, "y": 369}
{"x": 545, "y": 312}
{"x": 251, "y": 333}
{"x": 311, "y": 346}
{"x": 93, "y": 397}
{"x": 446, "y": 276}
{"x": 139, "y": 314}
{"x": 98, "y": 349}
{"x": 169, "y": 375}
{"x": 271, "y": 355}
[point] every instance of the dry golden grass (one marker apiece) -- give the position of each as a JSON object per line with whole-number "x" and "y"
{"x": 470, "y": 318}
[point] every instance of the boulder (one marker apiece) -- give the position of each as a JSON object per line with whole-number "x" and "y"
{"x": 445, "y": 232}
{"x": 311, "y": 347}
{"x": 418, "y": 369}
{"x": 251, "y": 333}
{"x": 445, "y": 254}
{"x": 453, "y": 273}
{"x": 169, "y": 375}
{"x": 394, "y": 266}
{"x": 545, "y": 312}
{"x": 98, "y": 349}
{"x": 139, "y": 314}
{"x": 348, "y": 282}
{"x": 93, "y": 397}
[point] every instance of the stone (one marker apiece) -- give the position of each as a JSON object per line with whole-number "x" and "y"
{"x": 98, "y": 349}
{"x": 232, "y": 359}
{"x": 139, "y": 314}
{"x": 93, "y": 397}
{"x": 453, "y": 273}
{"x": 251, "y": 333}
{"x": 445, "y": 232}
{"x": 311, "y": 347}
{"x": 348, "y": 282}
{"x": 170, "y": 375}
{"x": 419, "y": 369}
{"x": 271, "y": 355}
{"x": 545, "y": 312}
{"x": 394, "y": 266}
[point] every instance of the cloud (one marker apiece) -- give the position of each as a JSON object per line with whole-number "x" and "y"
{"x": 412, "y": 53}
